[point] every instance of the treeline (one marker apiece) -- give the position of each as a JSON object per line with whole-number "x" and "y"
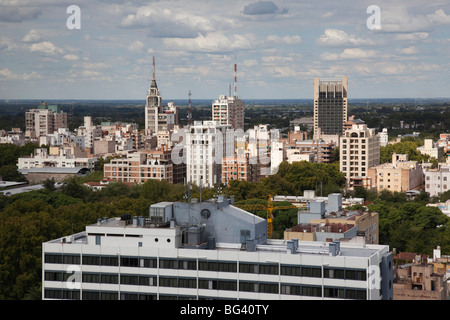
{"x": 29, "y": 219}
{"x": 9, "y": 153}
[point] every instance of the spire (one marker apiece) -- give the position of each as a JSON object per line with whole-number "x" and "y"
{"x": 153, "y": 85}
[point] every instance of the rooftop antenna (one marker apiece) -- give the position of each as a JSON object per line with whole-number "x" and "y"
{"x": 154, "y": 78}
{"x": 235, "y": 76}
{"x": 189, "y": 109}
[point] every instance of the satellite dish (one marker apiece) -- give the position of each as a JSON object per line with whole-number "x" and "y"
{"x": 205, "y": 213}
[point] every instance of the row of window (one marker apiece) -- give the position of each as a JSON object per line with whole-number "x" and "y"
{"x": 274, "y": 288}
{"x": 203, "y": 265}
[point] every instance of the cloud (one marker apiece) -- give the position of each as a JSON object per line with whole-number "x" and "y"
{"x": 32, "y": 36}
{"x": 415, "y": 36}
{"x": 263, "y": 7}
{"x": 6, "y": 74}
{"x": 335, "y": 37}
{"x": 162, "y": 23}
{"x": 18, "y": 14}
{"x": 212, "y": 42}
{"x": 349, "y": 53}
{"x": 408, "y": 50}
{"x": 71, "y": 57}
{"x": 46, "y": 47}
{"x": 285, "y": 40}
{"x": 136, "y": 46}
{"x": 398, "y": 20}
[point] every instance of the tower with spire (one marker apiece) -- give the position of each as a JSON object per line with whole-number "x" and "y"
{"x": 158, "y": 117}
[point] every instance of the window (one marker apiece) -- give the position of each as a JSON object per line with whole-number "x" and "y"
{"x": 334, "y": 292}
{"x": 268, "y": 287}
{"x": 314, "y": 272}
{"x": 268, "y": 268}
{"x": 91, "y": 260}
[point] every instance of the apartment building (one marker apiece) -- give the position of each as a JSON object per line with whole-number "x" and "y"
{"x": 419, "y": 281}
{"x": 328, "y": 221}
{"x": 398, "y": 176}
{"x": 139, "y": 167}
{"x": 437, "y": 180}
{"x": 229, "y": 111}
{"x": 44, "y": 120}
{"x": 434, "y": 150}
{"x": 58, "y": 157}
{"x": 206, "y": 144}
{"x": 359, "y": 150}
{"x": 207, "y": 250}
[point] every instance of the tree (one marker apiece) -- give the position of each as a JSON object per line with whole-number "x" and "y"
{"x": 49, "y": 184}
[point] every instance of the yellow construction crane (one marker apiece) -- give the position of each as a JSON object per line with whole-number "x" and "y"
{"x": 269, "y": 208}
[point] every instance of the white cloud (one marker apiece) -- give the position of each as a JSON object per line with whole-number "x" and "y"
{"x": 32, "y": 36}
{"x": 398, "y": 19}
{"x": 6, "y": 74}
{"x": 408, "y": 50}
{"x": 136, "y": 46}
{"x": 212, "y": 42}
{"x": 415, "y": 36}
{"x": 71, "y": 57}
{"x": 162, "y": 22}
{"x": 46, "y": 47}
{"x": 285, "y": 40}
{"x": 349, "y": 53}
{"x": 335, "y": 37}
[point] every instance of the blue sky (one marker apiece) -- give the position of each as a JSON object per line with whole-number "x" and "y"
{"x": 279, "y": 47}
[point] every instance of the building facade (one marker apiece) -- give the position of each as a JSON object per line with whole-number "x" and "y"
{"x": 139, "y": 167}
{"x": 229, "y": 110}
{"x": 399, "y": 176}
{"x": 437, "y": 181}
{"x": 359, "y": 150}
{"x": 206, "y": 144}
{"x": 158, "y": 117}
{"x": 330, "y": 106}
{"x": 44, "y": 120}
{"x": 207, "y": 250}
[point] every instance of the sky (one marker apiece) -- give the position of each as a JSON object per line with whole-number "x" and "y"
{"x": 278, "y": 46}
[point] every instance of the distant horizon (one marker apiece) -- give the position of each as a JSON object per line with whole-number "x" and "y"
{"x": 264, "y": 49}
{"x": 33, "y": 100}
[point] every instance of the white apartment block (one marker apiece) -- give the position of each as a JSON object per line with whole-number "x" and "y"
{"x": 64, "y": 159}
{"x": 89, "y": 131}
{"x": 229, "y": 110}
{"x": 359, "y": 150}
{"x": 432, "y": 149}
{"x": 437, "y": 181}
{"x": 206, "y": 143}
{"x": 207, "y": 250}
{"x": 384, "y": 137}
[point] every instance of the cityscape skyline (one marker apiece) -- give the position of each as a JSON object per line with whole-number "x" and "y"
{"x": 279, "y": 47}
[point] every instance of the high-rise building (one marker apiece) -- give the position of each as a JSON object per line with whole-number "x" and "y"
{"x": 207, "y": 250}
{"x": 44, "y": 120}
{"x": 229, "y": 110}
{"x": 330, "y": 107}
{"x": 206, "y": 143}
{"x": 158, "y": 117}
{"x": 359, "y": 150}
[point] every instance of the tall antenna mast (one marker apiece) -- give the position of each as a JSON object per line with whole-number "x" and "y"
{"x": 190, "y": 109}
{"x": 235, "y": 76}
{"x": 154, "y": 78}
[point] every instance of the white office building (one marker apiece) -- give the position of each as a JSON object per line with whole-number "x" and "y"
{"x": 207, "y": 250}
